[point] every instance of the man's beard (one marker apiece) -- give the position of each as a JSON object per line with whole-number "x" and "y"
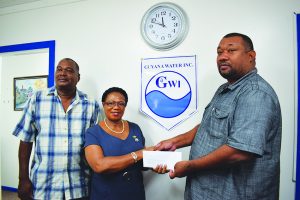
{"x": 230, "y": 75}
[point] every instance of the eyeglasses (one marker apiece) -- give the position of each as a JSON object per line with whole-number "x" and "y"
{"x": 112, "y": 104}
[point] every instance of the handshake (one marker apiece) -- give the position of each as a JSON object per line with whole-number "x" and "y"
{"x": 162, "y": 158}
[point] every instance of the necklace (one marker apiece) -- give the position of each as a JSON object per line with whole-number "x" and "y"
{"x": 118, "y": 132}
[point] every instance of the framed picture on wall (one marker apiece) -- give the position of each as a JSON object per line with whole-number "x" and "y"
{"x": 24, "y": 88}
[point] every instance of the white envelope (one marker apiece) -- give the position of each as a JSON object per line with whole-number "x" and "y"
{"x": 153, "y": 158}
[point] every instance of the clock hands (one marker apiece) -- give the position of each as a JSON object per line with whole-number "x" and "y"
{"x": 157, "y": 23}
{"x": 161, "y": 24}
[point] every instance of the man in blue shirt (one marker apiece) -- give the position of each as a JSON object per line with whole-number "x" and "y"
{"x": 56, "y": 120}
{"x": 235, "y": 151}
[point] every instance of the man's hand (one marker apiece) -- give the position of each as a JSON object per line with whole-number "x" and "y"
{"x": 25, "y": 191}
{"x": 181, "y": 169}
{"x": 25, "y": 188}
{"x": 165, "y": 146}
{"x": 151, "y": 148}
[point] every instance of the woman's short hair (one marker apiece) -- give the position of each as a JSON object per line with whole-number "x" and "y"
{"x": 115, "y": 89}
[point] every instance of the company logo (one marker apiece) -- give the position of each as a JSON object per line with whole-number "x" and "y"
{"x": 168, "y": 94}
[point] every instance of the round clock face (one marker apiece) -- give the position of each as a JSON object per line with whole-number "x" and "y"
{"x": 164, "y": 26}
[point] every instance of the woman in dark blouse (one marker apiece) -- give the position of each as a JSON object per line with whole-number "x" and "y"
{"x": 113, "y": 149}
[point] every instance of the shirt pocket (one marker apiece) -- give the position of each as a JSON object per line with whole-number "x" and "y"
{"x": 206, "y": 108}
{"x": 219, "y": 122}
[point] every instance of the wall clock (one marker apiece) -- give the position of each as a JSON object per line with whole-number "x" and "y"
{"x": 164, "y": 26}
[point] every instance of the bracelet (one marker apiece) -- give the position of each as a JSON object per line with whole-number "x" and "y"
{"x": 134, "y": 156}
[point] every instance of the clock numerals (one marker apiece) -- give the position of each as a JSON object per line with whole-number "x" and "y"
{"x": 164, "y": 26}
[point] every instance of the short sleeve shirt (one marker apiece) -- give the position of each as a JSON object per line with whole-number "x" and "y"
{"x": 57, "y": 169}
{"x": 245, "y": 115}
{"x": 126, "y": 184}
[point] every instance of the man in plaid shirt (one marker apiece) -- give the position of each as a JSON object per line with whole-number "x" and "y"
{"x": 56, "y": 120}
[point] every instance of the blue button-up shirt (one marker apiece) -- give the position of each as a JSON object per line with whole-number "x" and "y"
{"x": 57, "y": 169}
{"x": 245, "y": 115}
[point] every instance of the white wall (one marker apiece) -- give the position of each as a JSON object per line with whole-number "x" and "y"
{"x": 15, "y": 65}
{"x": 104, "y": 37}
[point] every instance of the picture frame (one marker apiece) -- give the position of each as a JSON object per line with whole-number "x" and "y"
{"x": 24, "y": 88}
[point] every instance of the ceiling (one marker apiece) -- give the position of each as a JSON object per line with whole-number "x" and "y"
{"x": 8, "y": 3}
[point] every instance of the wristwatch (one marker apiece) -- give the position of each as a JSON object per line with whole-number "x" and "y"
{"x": 134, "y": 156}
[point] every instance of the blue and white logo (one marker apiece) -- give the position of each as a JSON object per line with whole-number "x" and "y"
{"x": 168, "y": 94}
{"x": 169, "y": 89}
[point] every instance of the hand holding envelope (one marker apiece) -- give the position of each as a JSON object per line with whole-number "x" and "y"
{"x": 154, "y": 158}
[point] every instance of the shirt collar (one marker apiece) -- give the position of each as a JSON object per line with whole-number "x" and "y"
{"x": 79, "y": 95}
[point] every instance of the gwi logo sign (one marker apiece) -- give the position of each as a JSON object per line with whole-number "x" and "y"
{"x": 169, "y": 92}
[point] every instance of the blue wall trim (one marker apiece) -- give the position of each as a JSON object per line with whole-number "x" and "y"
{"x": 297, "y": 192}
{"x": 9, "y": 188}
{"x": 36, "y": 45}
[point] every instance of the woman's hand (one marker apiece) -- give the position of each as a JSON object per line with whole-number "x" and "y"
{"x": 161, "y": 169}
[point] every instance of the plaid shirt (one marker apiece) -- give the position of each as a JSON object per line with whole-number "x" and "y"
{"x": 244, "y": 115}
{"x": 57, "y": 169}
